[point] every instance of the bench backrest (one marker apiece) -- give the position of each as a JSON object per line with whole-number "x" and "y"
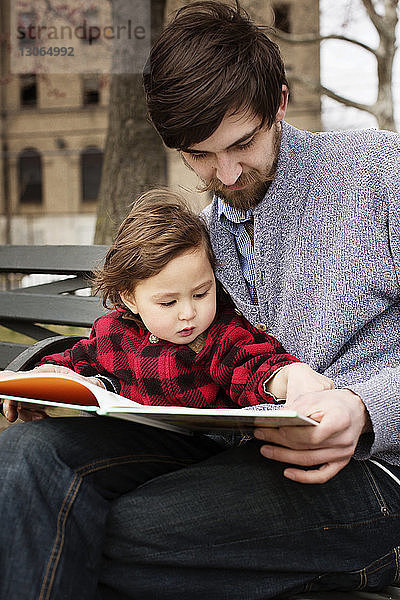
{"x": 26, "y": 309}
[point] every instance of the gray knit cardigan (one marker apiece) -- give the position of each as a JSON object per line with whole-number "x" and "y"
{"x": 327, "y": 255}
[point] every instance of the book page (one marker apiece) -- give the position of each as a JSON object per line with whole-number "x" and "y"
{"x": 183, "y": 419}
{"x": 51, "y": 387}
{"x": 60, "y": 390}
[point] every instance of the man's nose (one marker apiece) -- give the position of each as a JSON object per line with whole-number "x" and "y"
{"x": 187, "y": 311}
{"x": 228, "y": 170}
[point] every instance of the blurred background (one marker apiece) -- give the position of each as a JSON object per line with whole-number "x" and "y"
{"x": 76, "y": 148}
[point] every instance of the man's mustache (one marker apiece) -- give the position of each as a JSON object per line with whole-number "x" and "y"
{"x": 245, "y": 179}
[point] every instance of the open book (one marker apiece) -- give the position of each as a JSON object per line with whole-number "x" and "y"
{"x": 64, "y": 391}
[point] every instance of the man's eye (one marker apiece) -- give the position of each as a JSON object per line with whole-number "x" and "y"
{"x": 197, "y": 156}
{"x": 170, "y": 303}
{"x": 246, "y": 145}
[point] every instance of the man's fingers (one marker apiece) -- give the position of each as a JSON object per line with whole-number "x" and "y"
{"x": 284, "y": 436}
{"x": 305, "y": 437}
{"x": 306, "y": 458}
{"x": 329, "y": 445}
{"x": 316, "y": 476}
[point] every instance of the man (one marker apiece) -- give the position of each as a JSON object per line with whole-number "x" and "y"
{"x": 306, "y": 235}
{"x": 301, "y": 277}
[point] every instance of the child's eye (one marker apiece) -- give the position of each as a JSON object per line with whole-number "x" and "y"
{"x": 202, "y": 295}
{"x": 170, "y": 303}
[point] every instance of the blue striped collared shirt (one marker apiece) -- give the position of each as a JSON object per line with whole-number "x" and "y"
{"x": 233, "y": 219}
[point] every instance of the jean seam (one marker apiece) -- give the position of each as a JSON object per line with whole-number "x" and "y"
{"x": 362, "y": 574}
{"x": 365, "y": 572}
{"x": 255, "y": 539}
{"x": 68, "y": 501}
{"x": 397, "y": 557}
{"x": 308, "y": 587}
{"x": 120, "y": 460}
{"x": 61, "y": 520}
{"x": 375, "y": 488}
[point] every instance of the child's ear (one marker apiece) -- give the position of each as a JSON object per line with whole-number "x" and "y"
{"x": 129, "y": 301}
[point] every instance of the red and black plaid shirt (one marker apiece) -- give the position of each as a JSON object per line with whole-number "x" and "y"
{"x": 229, "y": 371}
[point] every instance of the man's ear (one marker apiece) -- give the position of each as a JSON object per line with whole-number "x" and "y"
{"x": 129, "y": 301}
{"x": 280, "y": 115}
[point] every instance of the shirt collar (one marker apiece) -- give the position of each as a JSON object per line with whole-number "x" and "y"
{"x": 233, "y": 215}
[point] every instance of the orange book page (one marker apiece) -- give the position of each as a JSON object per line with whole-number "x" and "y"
{"x": 47, "y": 388}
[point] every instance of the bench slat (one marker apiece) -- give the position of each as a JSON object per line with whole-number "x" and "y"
{"x": 36, "y": 332}
{"x": 9, "y": 351}
{"x": 50, "y": 259}
{"x": 42, "y": 308}
{"x": 33, "y": 354}
{"x": 55, "y": 287}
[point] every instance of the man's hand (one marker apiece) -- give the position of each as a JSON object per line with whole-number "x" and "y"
{"x": 328, "y": 446}
{"x": 13, "y": 410}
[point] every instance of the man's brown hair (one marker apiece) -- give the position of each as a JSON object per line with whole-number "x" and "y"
{"x": 211, "y": 59}
{"x": 160, "y": 227}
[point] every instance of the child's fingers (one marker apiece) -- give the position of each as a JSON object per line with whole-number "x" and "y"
{"x": 30, "y": 412}
{"x": 10, "y": 410}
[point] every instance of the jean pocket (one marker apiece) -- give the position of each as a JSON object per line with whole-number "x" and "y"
{"x": 384, "y": 485}
{"x": 380, "y": 573}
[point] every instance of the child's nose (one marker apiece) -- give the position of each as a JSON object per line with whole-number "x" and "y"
{"x": 187, "y": 312}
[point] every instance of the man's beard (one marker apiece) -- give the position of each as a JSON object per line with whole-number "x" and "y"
{"x": 256, "y": 182}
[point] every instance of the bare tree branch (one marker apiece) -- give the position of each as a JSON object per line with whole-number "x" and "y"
{"x": 373, "y": 15}
{"x": 321, "y": 89}
{"x": 309, "y": 38}
{"x": 382, "y": 109}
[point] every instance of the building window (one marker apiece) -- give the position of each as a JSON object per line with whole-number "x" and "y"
{"x": 91, "y": 90}
{"x": 91, "y": 166}
{"x": 30, "y": 177}
{"x": 90, "y": 25}
{"x": 28, "y": 90}
{"x": 282, "y": 17}
{"x": 26, "y": 29}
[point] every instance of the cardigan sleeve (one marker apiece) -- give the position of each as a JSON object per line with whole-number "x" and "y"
{"x": 244, "y": 359}
{"x": 381, "y": 393}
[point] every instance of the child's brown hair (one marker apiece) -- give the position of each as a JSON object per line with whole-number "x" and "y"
{"x": 160, "y": 227}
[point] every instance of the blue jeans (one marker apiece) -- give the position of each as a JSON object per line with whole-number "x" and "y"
{"x": 97, "y": 508}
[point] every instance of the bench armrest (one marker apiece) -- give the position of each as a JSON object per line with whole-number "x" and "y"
{"x": 33, "y": 354}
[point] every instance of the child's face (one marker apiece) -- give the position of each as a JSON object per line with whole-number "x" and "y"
{"x": 179, "y": 303}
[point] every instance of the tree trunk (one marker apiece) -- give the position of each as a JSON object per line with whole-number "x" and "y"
{"x": 386, "y": 26}
{"x": 134, "y": 158}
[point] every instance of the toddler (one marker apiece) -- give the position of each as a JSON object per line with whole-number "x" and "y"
{"x": 173, "y": 337}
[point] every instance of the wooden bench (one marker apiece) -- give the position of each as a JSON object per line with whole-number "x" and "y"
{"x": 31, "y": 309}
{"x": 27, "y": 309}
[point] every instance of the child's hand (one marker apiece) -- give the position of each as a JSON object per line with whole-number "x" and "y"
{"x": 13, "y": 409}
{"x": 297, "y": 379}
{"x": 66, "y": 371}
